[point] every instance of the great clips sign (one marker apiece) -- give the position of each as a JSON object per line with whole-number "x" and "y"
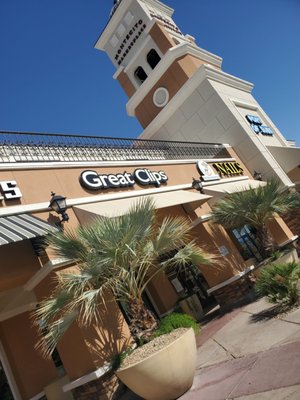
{"x": 91, "y": 180}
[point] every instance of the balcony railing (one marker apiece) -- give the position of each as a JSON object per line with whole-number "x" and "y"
{"x": 21, "y": 147}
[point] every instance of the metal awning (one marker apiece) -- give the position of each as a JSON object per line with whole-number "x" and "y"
{"x": 19, "y": 227}
{"x": 287, "y": 157}
{"x": 115, "y": 208}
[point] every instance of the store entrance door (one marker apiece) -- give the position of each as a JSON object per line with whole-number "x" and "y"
{"x": 5, "y": 391}
{"x": 192, "y": 282}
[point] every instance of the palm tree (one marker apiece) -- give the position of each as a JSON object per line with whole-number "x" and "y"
{"x": 118, "y": 255}
{"x": 255, "y": 207}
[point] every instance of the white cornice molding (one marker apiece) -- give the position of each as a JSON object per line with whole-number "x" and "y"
{"x": 204, "y": 72}
{"x": 44, "y": 271}
{"x": 38, "y": 207}
{"x": 169, "y": 58}
{"x": 105, "y": 164}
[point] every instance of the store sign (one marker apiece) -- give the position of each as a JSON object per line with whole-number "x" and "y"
{"x": 166, "y": 22}
{"x": 130, "y": 39}
{"x": 91, "y": 180}
{"x": 257, "y": 125}
{"x": 9, "y": 190}
{"x": 207, "y": 172}
{"x": 229, "y": 168}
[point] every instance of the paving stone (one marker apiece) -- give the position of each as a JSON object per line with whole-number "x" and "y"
{"x": 211, "y": 353}
{"x": 273, "y": 369}
{"x": 217, "y": 382}
{"x": 258, "y": 306}
{"x": 242, "y": 336}
{"x": 289, "y": 393}
{"x": 293, "y": 316}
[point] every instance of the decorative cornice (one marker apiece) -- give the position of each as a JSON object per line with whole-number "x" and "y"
{"x": 170, "y": 57}
{"x": 104, "y": 164}
{"x": 204, "y": 72}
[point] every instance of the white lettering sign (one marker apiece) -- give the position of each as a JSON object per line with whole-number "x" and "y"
{"x": 93, "y": 181}
{"x": 10, "y": 190}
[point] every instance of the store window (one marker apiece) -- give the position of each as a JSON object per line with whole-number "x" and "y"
{"x": 246, "y": 238}
{"x": 153, "y": 58}
{"x": 140, "y": 75}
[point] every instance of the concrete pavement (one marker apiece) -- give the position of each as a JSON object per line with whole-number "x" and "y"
{"x": 249, "y": 354}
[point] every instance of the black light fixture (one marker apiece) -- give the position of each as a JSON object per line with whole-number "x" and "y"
{"x": 257, "y": 176}
{"x": 197, "y": 185}
{"x": 59, "y": 205}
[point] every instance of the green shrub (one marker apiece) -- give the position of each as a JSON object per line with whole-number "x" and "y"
{"x": 280, "y": 283}
{"x": 175, "y": 321}
{"x": 276, "y": 255}
{"x": 118, "y": 358}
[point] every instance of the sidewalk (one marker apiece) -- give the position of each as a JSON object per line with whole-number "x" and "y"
{"x": 249, "y": 354}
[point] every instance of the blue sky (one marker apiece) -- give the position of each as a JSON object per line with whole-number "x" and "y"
{"x": 53, "y": 80}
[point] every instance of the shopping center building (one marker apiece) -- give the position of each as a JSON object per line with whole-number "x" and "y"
{"x": 189, "y": 108}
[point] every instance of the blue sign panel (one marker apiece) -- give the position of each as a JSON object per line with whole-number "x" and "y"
{"x": 257, "y": 125}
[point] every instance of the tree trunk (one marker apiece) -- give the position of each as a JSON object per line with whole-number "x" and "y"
{"x": 142, "y": 320}
{"x": 265, "y": 241}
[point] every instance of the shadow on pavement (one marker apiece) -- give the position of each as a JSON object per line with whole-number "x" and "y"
{"x": 270, "y": 313}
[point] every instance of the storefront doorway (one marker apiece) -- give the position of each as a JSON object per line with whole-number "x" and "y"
{"x": 5, "y": 392}
{"x": 190, "y": 281}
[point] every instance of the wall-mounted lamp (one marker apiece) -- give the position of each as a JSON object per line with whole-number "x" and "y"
{"x": 197, "y": 185}
{"x": 257, "y": 176}
{"x": 59, "y": 205}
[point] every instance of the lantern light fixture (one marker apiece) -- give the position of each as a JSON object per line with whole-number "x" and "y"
{"x": 197, "y": 185}
{"x": 257, "y": 176}
{"x": 59, "y": 205}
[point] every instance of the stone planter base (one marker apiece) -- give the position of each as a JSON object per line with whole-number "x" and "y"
{"x": 108, "y": 387}
{"x": 241, "y": 290}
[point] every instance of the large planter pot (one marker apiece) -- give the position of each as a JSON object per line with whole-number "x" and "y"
{"x": 192, "y": 306}
{"x": 166, "y": 374}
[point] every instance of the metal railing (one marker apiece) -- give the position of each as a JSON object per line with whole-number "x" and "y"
{"x": 21, "y": 147}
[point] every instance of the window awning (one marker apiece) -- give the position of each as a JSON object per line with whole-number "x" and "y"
{"x": 115, "y": 208}
{"x": 19, "y": 227}
{"x": 220, "y": 190}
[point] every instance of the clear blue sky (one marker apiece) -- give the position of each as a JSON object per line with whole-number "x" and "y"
{"x": 53, "y": 80}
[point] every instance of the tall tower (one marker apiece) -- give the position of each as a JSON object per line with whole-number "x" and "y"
{"x": 178, "y": 91}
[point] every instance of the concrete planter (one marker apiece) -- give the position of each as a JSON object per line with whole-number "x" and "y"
{"x": 287, "y": 257}
{"x": 192, "y": 306}
{"x": 166, "y": 374}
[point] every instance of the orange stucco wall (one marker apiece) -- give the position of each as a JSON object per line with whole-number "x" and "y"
{"x": 173, "y": 79}
{"x": 279, "y": 230}
{"x": 31, "y": 371}
{"x": 18, "y": 263}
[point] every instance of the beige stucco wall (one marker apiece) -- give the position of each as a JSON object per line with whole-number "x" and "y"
{"x": 31, "y": 371}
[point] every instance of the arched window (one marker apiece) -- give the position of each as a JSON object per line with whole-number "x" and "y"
{"x": 140, "y": 74}
{"x": 153, "y": 58}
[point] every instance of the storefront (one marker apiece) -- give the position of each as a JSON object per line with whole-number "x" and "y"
{"x": 105, "y": 178}
{"x": 178, "y": 92}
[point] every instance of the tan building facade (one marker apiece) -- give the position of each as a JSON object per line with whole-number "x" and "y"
{"x": 178, "y": 91}
{"x": 107, "y": 181}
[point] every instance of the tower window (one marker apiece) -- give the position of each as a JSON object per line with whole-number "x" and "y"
{"x": 153, "y": 58}
{"x": 140, "y": 74}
